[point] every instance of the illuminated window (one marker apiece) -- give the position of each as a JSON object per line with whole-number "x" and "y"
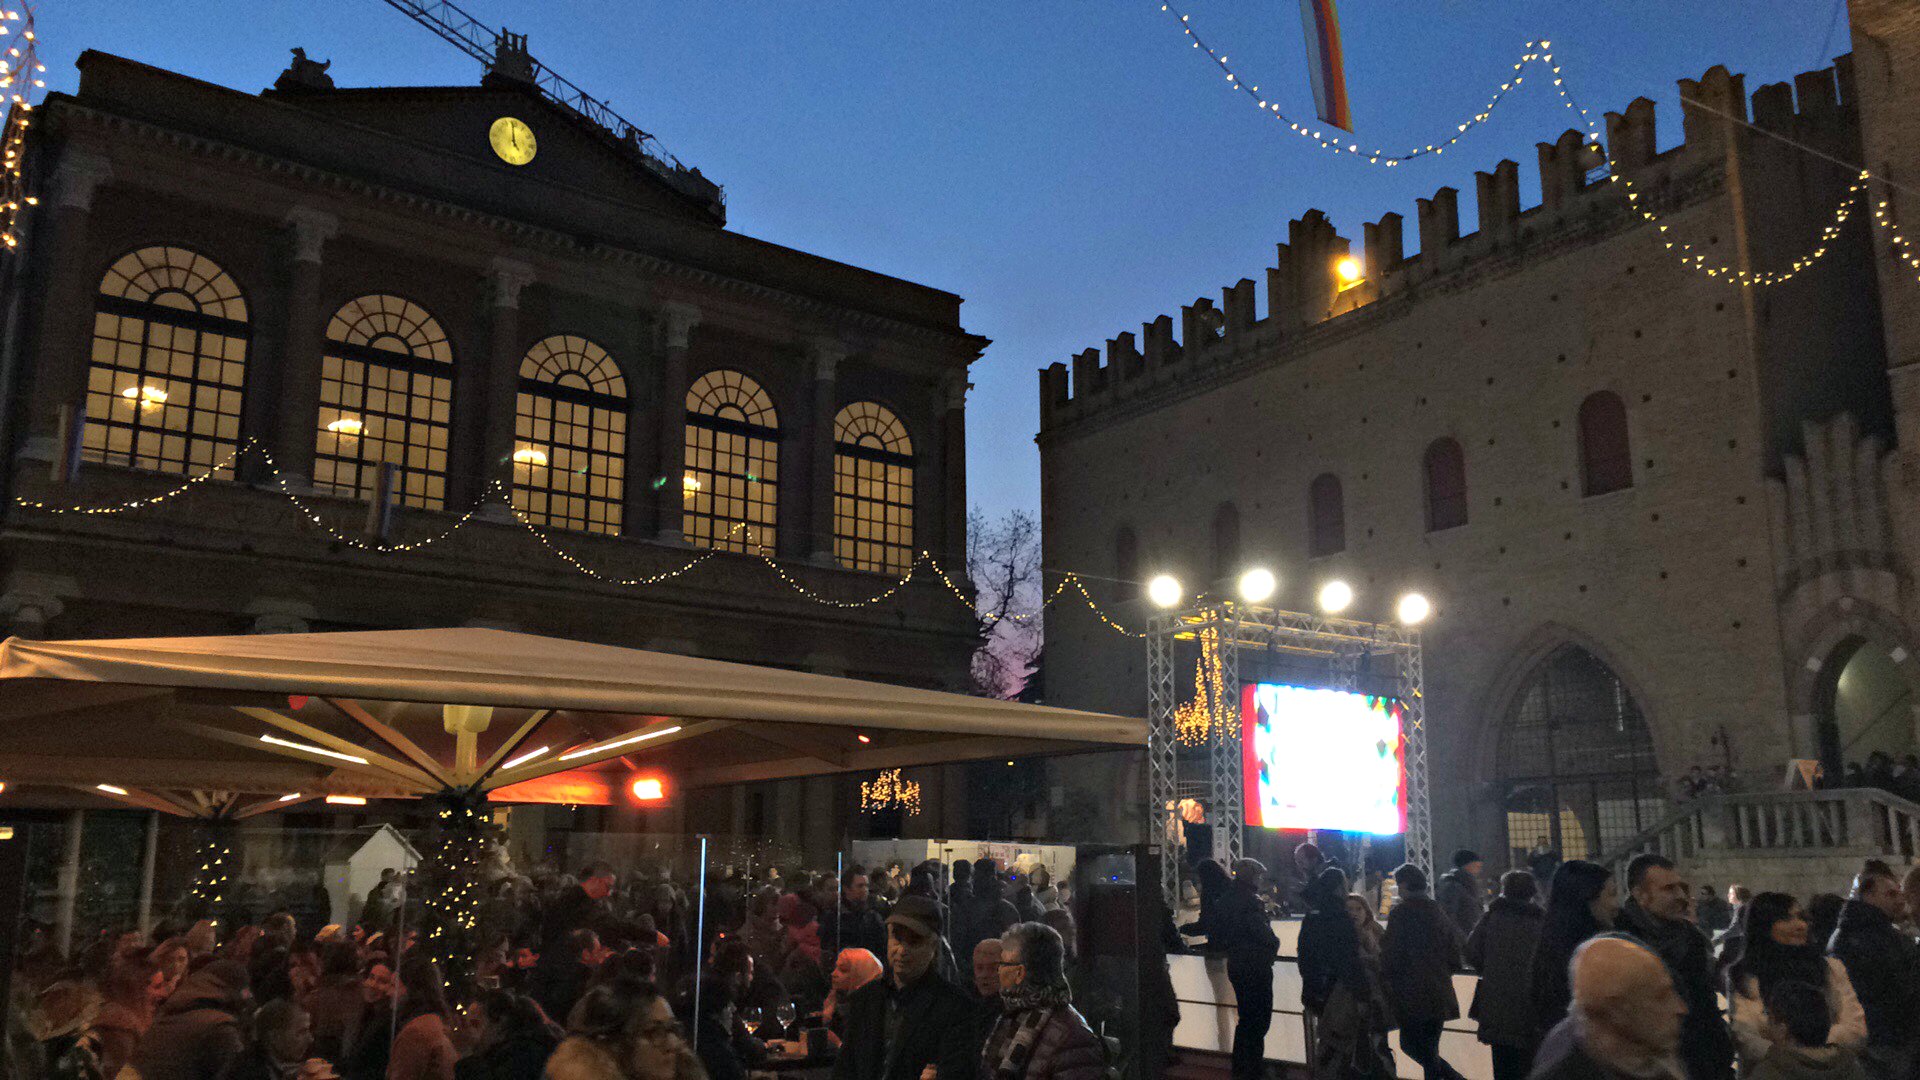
{"x": 386, "y": 384}
{"x": 570, "y": 436}
{"x": 872, "y": 489}
{"x": 1326, "y": 517}
{"x": 730, "y": 488}
{"x": 168, "y": 364}
{"x": 1606, "y": 461}
{"x": 1446, "y": 468}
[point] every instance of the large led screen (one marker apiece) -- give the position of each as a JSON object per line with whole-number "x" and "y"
{"x": 1323, "y": 759}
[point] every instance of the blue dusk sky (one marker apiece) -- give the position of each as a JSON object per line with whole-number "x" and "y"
{"x": 1071, "y": 167}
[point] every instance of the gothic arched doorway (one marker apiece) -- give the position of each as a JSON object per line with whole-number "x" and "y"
{"x": 1575, "y": 761}
{"x": 1862, "y": 706}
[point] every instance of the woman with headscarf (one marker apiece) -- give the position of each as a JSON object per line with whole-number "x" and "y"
{"x": 1777, "y": 949}
{"x": 1581, "y": 904}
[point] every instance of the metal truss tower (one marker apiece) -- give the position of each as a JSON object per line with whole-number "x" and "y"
{"x": 1342, "y": 654}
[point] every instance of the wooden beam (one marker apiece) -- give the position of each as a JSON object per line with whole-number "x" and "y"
{"x": 271, "y": 804}
{"x": 589, "y": 755}
{"x": 145, "y": 800}
{"x": 400, "y": 782}
{"x": 337, "y": 744}
{"x": 394, "y": 740}
{"x": 505, "y": 750}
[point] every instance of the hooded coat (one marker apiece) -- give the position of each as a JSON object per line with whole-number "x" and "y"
{"x": 1501, "y": 950}
{"x": 197, "y": 1034}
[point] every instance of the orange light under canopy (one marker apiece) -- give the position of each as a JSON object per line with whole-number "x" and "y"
{"x": 648, "y": 789}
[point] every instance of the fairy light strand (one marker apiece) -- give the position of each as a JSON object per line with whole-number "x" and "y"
{"x": 20, "y": 71}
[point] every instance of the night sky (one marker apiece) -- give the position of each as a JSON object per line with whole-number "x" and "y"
{"x": 1070, "y": 168}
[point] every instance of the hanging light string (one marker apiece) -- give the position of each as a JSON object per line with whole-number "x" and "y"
{"x": 1534, "y": 53}
{"x": 225, "y": 465}
{"x": 20, "y": 71}
{"x": 1537, "y": 52}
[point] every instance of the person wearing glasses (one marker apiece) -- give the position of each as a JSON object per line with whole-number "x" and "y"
{"x": 1040, "y": 1036}
{"x": 624, "y": 1031}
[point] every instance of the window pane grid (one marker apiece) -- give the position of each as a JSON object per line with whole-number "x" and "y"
{"x": 164, "y": 387}
{"x": 872, "y": 490}
{"x": 570, "y": 461}
{"x": 375, "y": 407}
{"x": 730, "y": 487}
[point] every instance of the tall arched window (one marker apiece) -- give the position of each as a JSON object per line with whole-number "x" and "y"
{"x": 730, "y": 489}
{"x": 1575, "y": 761}
{"x": 386, "y": 388}
{"x": 872, "y": 489}
{"x": 1226, "y": 540}
{"x": 1606, "y": 461}
{"x": 1446, "y": 469}
{"x": 169, "y": 362}
{"x": 570, "y": 436}
{"x": 1326, "y": 517}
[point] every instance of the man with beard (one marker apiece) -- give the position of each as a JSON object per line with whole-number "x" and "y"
{"x": 1657, "y": 914}
{"x": 899, "y": 1025}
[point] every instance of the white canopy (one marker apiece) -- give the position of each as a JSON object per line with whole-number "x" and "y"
{"x": 405, "y": 712}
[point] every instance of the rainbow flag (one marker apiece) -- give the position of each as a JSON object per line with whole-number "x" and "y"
{"x": 1326, "y": 62}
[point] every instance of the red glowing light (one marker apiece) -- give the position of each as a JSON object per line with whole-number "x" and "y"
{"x": 649, "y": 789}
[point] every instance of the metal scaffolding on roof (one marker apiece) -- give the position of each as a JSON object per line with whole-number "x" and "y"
{"x": 1341, "y": 654}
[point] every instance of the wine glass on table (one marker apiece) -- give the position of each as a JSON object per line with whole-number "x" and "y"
{"x": 753, "y": 1020}
{"x": 785, "y": 1014}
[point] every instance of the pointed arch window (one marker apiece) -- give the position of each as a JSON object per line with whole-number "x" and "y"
{"x": 1446, "y": 476}
{"x": 1326, "y": 517}
{"x": 570, "y": 436}
{"x": 386, "y": 393}
{"x": 168, "y": 364}
{"x": 872, "y": 489}
{"x": 730, "y": 488}
{"x": 1606, "y": 459}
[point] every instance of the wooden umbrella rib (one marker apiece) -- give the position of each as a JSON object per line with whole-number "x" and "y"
{"x": 548, "y": 766}
{"x": 337, "y": 744}
{"x": 506, "y": 749}
{"x": 354, "y": 711}
{"x": 404, "y": 781}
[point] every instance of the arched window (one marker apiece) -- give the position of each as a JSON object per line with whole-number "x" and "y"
{"x": 168, "y": 365}
{"x": 1575, "y": 762}
{"x": 730, "y": 489}
{"x": 1446, "y": 468}
{"x": 872, "y": 489}
{"x": 1226, "y": 540}
{"x": 1326, "y": 517}
{"x": 386, "y": 387}
{"x": 570, "y": 436}
{"x": 1606, "y": 461}
{"x": 1126, "y": 561}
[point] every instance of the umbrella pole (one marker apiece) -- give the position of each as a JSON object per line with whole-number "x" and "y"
{"x": 147, "y": 859}
{"x": 69, "y": 882}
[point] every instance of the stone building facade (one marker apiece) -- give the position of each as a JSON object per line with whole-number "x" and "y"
{"x": 1660, "y": 514}
{"x": 378, "y": 314}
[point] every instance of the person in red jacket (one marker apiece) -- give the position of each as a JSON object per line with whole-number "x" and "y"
{"x": 1040, "y": 1036}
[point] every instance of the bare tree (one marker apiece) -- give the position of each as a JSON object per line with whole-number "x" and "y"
{"x": 1003, "y": 559}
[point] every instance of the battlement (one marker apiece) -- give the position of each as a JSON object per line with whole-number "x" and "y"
{"x": 1305, "y": 286}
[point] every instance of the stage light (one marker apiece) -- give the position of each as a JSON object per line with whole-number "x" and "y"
{"x": 1257, "y": 585}
{"x": 1335, "y": 596}
{"x": 1349, "y": 269}
{"x": 111, "y": 790}
{"x": 649, "y": 789}
{"x": 1165, "y": 591}
{"x": 346, "y": 800}
{"x": 1414, "y": 609}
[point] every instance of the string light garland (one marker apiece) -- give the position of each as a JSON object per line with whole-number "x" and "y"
{"x": 20, "y": 71}
{"x": 1194, "y": 722}
{"x": 887, "y": 791}
{"x": 211, "y": 880}
{"x": 453, "y": 883}
{"x": 142, "y": 503}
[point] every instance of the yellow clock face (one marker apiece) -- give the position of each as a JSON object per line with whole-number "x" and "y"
{"x": 512, "y": 139}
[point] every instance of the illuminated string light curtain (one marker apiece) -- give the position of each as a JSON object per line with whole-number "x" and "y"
{"x": 168, "y": 364}
{"x": 20, "y": 71}
{"x": 1194, "y": 721}
{"x": 386, "y": 392}
{"x": 212, "y": 877}
{"x": 570, "y": 431}
{"x": 889, "y": 791}
{"x": 456, "y": 852}
{"x": 872, "y": 489}
{"x": 732, "y": 464}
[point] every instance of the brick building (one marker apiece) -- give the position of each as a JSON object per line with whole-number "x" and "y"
{"x": 377, "y": 314}
{"x": 1658, "y": 512}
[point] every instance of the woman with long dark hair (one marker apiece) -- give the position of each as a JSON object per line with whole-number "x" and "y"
{"x": 1581, "y": 904}
{"x": 423, "y": 1049}
{"x": 1778, "y": 948}
{"x": 1340, "y": 987}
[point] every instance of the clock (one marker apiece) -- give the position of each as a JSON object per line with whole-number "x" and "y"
{"x": 512, "y": 139}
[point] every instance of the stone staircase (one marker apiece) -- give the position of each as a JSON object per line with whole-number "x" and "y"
{"x": 1799, "y": 842}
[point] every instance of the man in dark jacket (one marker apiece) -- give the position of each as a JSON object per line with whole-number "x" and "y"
{"x": 1656, "y": 913}
{"x": 1242, "y": 930}
{"x": 1624, "y": 1022}
{"x": 558, "y": 985}
{"x": 1884, "y": 966}
{"x": 856, "y": 925}
{"x": 1041, "y": 1036}
{"x": 1460, "y": 895}
{"x": 282, "y": 1035}
{"x": 1501, "y": 950}
{"x": 1417, "y": 960}
{"x": 197, "y": 1035}
{"x": 912, "y": 1018}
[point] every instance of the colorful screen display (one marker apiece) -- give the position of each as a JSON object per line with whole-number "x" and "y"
{"x": 1323, "y": 759}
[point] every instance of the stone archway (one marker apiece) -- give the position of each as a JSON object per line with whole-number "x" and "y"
{"x": 1857, "y": 687}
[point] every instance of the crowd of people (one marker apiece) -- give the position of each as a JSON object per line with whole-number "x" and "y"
{"x": 927, "y": 974}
